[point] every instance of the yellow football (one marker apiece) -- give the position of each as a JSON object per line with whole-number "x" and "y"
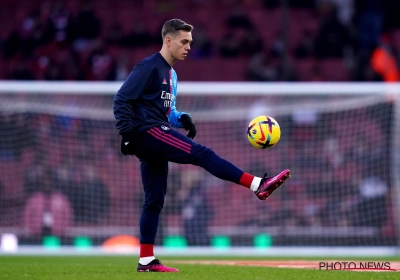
{"x": 263, "y": 132}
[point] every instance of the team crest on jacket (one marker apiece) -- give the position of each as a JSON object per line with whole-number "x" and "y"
{"x": 163, "y": 127}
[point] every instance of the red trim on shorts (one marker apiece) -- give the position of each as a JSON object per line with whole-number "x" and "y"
{"x": 169, "y": 139}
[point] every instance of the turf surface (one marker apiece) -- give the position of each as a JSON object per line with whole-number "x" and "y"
{"x": 124, "y": 267}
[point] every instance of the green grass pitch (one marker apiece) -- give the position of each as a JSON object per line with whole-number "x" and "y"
{"x": 124, "y": 267}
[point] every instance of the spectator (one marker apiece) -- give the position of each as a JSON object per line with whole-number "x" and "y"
{"x": 260, "y": 68}
{"x": 54, "y": 72}
{"x": 278, "y": 45}
{"x": 391, "y": 19}
{"x": 101, "y": 65}
{"x": 12, "y": 127}
{"x": 238, "y": 19}
{"x": 202, "y": 47}
{"x": 271, "y": 4}
{"x": 122, "y": 67}
{"x": 10, "y": 45}
{"x": 114, "y": 35}
{"x": 361, "y": 153}
{"x": 252, "y": 43}
{"x": 87, "y": 26}
{"x": 372, "y": 206}
{"x": 345, "y": 9}
{"x": 95, "y": 197}
{"x": 332, "y": 36}
{"x": 302, "y": 4}
{"x": 383, "y": 62}
{"x": 315, "y": 75}
{"x": 369, "y": 19}
{"x": 138, "y": 36}
{"x": 229, "y": 45}
{"x": 47, "y": 211}
{"x": 297, "y": 4}
{"x": 33, "y": 176}
{"x": 196, "y": 211}
{"x": 26, "y": 38}
{"x": 59, "y": 26}
{"x": 305, "y": 46}
{"x": 68, "y": 180}
{"x": 88, "y": 194}
{"x": 22, "y": 71}
{"x": 286, "y": 70}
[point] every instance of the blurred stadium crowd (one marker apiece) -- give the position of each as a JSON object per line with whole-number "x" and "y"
{"x": 72, "y": 168}
{"x": 311, "y": 40}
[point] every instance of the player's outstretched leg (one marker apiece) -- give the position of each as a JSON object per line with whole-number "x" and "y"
{"x": 155, "y": 266}
{"x": 269, "y": 184}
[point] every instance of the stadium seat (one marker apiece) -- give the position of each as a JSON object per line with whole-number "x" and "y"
{"x": 213, "y": 69}
{"x": 59, "y": 207}
{"x": 334, "y": 69}
{"x": 306, "y": 69}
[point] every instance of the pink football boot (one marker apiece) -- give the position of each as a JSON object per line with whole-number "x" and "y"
{"x": 269, "y": 184}
{"x": 155, "y": 266}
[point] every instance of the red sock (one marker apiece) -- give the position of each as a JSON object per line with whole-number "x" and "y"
{"x": 146, "y": 250}
{"x": 246, "y": 180}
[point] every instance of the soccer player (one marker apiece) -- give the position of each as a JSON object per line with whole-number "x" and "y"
{"x": 145, "y": 110}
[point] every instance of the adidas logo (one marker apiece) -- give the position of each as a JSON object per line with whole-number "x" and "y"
{"x": 164, "y": 82}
